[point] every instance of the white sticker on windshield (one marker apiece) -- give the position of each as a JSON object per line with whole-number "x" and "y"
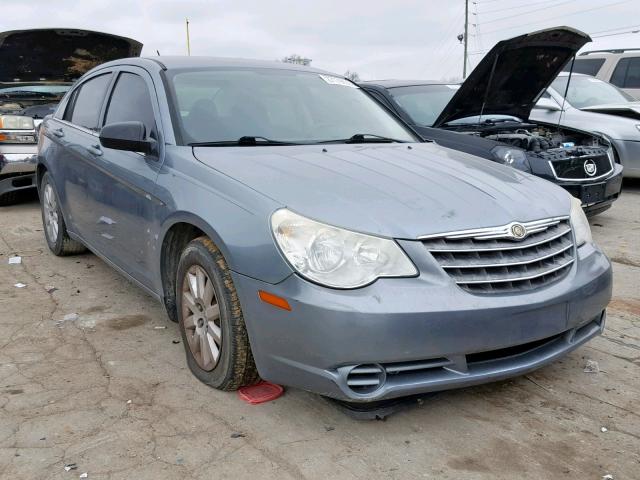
{"x": 337, "y": 81}
{"x": 454, "y": 87}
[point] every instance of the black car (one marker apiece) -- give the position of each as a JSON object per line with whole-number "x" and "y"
{"x": 487, "y": 116}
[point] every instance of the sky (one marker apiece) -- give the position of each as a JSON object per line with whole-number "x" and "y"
{"x": 407, "y": 39}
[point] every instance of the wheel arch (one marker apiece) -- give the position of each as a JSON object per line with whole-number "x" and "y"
{"x": 178, "y": 231}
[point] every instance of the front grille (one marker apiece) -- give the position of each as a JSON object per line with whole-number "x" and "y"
{"x": 491, "y": 260}
{"x": 574, "y": 168}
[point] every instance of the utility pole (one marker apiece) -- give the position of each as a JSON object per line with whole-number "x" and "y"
{"x": 466, "y": 37}
{"x": 189, "y": 42}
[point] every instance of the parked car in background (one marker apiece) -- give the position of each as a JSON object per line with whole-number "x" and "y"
{"x": 619, "y": 67}
{"x": 600, "y": 107}
{"x": 489, "y": 116}
{"x": 37, "y": 67}
{"x": 296, "y": 229}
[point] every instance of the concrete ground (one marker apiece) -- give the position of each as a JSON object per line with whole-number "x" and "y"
{"x": 112, "y": 394}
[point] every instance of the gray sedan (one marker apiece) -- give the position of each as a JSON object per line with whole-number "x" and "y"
{"x": 599, "y": 107}
{"x": 298, "y": 231}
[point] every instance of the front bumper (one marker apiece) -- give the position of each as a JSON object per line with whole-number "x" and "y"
{"x": 424, "y": 333}
{"x": 17, "y": 167}
{"x": 596, "y": 197}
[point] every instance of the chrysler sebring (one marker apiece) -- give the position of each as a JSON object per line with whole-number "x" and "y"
{"x": 298, "y": 231}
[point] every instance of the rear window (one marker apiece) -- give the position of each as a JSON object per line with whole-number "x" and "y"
{"x": 84, "y": 107}
{"x": 588, "y": 66}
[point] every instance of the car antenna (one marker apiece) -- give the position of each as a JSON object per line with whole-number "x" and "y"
{"x": 158, "y": 52}
{"x": 566, "y": 91}
{"x": 486, "y": 91}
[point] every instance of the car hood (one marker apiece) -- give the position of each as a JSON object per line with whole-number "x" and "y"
{"x": 61, "y": 55}
{"x": 511, "y": 77}
{"x": 626, "y": 110}
{"x": 395, "y": 190}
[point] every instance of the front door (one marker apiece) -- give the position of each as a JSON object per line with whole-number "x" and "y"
{"x": 121, "y": 184}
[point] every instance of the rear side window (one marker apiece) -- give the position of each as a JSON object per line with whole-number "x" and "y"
{"x": 617, "y": 78}
{"x": 588, "y": 66}
{"x": 130, "y": 102}
{"x": 87, "y": 102}
{"x": 627, "y": 73}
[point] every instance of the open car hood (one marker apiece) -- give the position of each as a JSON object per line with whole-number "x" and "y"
{"x": 628, "y": 110}
{"x": 57, "y": 54}
{"x": 511, "y": 77}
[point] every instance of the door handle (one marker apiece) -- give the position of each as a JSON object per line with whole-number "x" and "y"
{"x": 95, "y": 150}
{"x": 58, "y": 132}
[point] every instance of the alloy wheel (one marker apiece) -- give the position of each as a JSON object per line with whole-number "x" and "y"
{"x": 50, "y": 206}
{"x": 201, "y": 318}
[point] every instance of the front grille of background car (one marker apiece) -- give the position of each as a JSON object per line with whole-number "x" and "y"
{"x": 573, "y": 168}
{"x": 486, "y": 263}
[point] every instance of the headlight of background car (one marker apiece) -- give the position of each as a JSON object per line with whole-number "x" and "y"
{"x": 579, "y": 222}
{"x": 335, "y": 257}
{"x": 512, "y": 156}
{"x": 17, "y": 129}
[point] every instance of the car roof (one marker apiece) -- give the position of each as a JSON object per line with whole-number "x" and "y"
{"x": 180, "y": 62}
{"x": 393, "y": 83}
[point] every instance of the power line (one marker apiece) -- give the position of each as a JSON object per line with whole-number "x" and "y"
{"x": 527, "y": 12}
{"x": 613, "y": 29}
{"x": 517, "y": 6}
{"x": 577, "y": 12}
{"x": 619, "y": 33}
{"x": 592, "y": 34}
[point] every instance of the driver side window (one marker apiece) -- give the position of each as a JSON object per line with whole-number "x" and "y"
{"x": 130, "y": 102}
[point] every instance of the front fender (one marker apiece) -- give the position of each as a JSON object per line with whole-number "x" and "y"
{"x": 235, "y": 217}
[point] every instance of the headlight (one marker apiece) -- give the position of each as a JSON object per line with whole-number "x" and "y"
{"x": 335, "y": 257}
{"x": 638, "y": 126}
{"x": 16, "y": 122}
{"x": 514, "y": 157}
{"x": 580, "y": 224}
{"x": 17, "y": 129}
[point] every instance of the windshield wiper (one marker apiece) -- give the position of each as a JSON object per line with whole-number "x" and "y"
{"x": 364, "y": 138}
{"x": 246, "y": 141}
{"x": 30, "y": 93}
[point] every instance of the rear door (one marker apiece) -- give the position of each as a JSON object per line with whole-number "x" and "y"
{"x": 121, "y": 184}
{"x": 76, "y": 133}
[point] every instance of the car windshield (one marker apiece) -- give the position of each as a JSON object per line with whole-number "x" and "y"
{"x": 45, "y": 89}
{"x": 585, "y": 91}
{"x": 277, "y": 105}
{"x": 423, "y": 103}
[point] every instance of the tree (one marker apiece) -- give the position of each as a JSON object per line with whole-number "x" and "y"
{"x": 353, "y": 76}
{"x": 297, "y": 59}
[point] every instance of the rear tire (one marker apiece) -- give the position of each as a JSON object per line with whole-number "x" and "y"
{"x": 55, "y": 229}
{"x": 9, "y": 198}
{"x": 210, "y": 319}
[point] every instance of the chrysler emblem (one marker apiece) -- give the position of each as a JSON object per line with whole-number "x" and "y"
{"x": 590, "y": 168}
{"x": 518, "y": 231}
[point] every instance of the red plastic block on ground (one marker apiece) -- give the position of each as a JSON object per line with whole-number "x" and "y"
{"x": 260, "y": 392}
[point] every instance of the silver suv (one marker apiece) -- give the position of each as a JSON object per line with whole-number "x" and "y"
{"x": 619, "y": 67}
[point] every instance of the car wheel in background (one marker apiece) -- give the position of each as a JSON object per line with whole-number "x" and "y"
{"x": 55, "y": 230}
{"x": 8, "y": 199}
{"x": 210, "y": 319}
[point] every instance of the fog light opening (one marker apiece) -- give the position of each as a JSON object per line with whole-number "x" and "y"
{"x": 366, "y": 378}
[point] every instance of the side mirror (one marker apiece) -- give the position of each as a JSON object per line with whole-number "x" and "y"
{"x": 547, "y": 104}
{"x": 130, "y": 136}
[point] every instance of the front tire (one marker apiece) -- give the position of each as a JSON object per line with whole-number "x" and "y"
{"x": 55, "y": 229}
{"x": 210, "y": 319}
